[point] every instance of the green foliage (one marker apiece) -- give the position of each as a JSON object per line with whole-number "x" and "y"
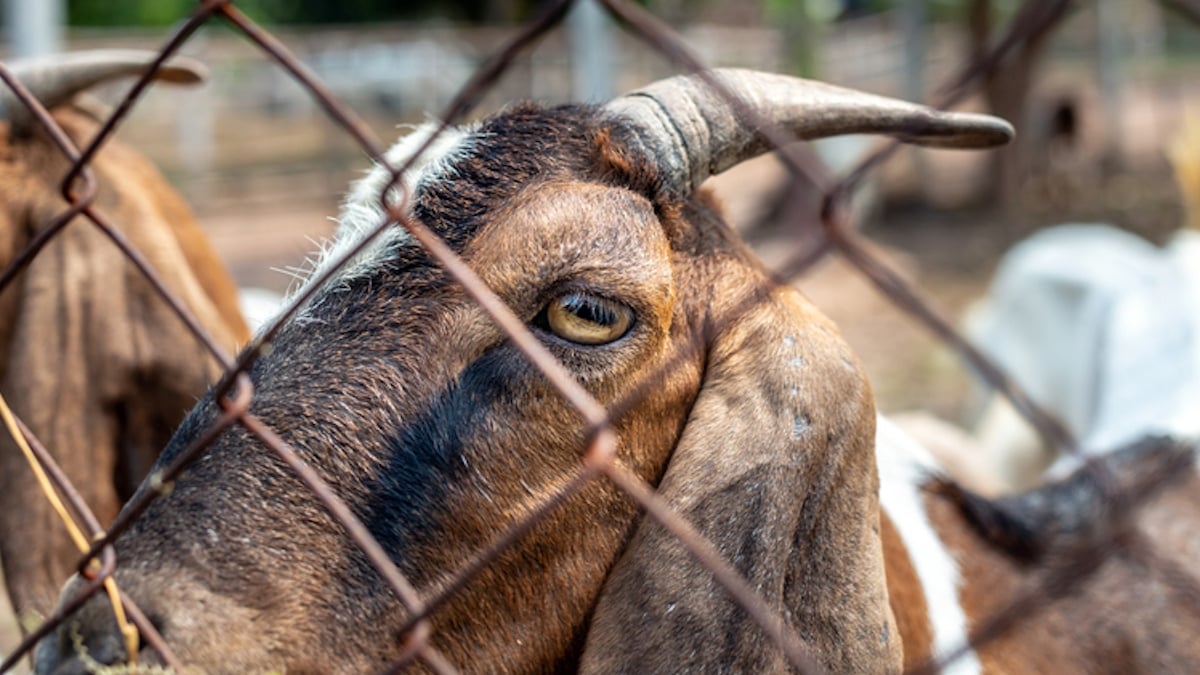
{"x": 136, "y": 13}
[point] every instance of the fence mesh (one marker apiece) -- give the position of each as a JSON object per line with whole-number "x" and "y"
{"x": 830, "y": 234}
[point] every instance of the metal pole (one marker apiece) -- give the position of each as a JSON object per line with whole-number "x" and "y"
{"x": 34, "y": 27}
{"x": 1110, "y": 50}
{"x": 593, "y": 49}
{"x": 915, "y": 22}
{"x": 914, "y": 19}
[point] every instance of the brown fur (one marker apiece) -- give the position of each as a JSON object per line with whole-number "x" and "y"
{"x": 906, "y": 598}
{"x": 90, "y": 358}
{"x": 1127, "y": 618}
{"x": 761, "y": 471}
{"x": 730, "y": 394}
{"x": 1121, "y": 615}
{"x": 403, "y": 395}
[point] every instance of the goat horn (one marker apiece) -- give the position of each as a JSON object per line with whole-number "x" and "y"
{"x": 56, "y": 79}
{"x": 696, "y": 133}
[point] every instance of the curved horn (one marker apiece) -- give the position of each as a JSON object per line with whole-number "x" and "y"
{"x": 56, "y": 79}
{"x": 695, "y": 133}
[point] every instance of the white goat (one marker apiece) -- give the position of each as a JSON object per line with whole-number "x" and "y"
{"x": 1100, "y": 327}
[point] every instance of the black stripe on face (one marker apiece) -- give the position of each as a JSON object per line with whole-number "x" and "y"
{"x": 449, "y": 473}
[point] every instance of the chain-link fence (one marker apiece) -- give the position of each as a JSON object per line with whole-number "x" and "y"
{"x": 829, "y": 234}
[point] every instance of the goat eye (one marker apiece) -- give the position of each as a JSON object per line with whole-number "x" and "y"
{"x": 587, "y": 319}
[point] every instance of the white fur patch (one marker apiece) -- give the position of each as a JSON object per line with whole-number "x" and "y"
{"x": 903, "y": 466}
{"x": 362, "y": 212}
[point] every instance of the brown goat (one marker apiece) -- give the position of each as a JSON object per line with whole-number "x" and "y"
{"x": 731, "y": 394}
{"x": 90, "y": 357}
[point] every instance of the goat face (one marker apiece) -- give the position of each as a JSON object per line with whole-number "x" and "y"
{"x": 730, "y": 394}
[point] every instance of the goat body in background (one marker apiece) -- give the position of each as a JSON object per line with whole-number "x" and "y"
{"x": 1103, "y": 329}
{"x": 735, "y": 397}
{"x": 91, "y": 358}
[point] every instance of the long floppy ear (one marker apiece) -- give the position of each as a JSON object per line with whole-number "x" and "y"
{"x": 776, "y": 465}
{"x": 776, "y": 468}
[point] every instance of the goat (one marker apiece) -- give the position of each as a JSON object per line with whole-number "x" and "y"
{"x": 91, "y": 359}
{"x": 1099, "y": 325}
{"x": 731, "y": 394}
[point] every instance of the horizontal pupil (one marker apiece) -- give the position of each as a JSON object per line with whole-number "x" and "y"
{"x": 590, "y": 310}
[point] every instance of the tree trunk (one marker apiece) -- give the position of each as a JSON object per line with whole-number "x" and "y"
{"x": 1007, "y": 90}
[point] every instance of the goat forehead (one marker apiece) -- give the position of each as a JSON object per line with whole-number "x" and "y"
{"x": 463, "y": 175}
{"x": 362, "y": 209}
{"x": 574, "y": 228}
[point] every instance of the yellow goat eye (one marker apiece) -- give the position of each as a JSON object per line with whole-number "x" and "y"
{"x": 588, "y": 319}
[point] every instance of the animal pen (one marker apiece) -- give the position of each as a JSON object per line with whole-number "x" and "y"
{"x": 827, "y": 233}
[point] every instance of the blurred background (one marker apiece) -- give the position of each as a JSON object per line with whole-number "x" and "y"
{"x": 1106, "y": 103}
{"x": 1099, "y": 100}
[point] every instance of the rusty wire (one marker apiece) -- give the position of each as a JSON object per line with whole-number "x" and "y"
{"x": 830, "y": 232}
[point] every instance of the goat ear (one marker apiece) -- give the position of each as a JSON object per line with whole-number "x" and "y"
{"x": 776, "y": 468}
